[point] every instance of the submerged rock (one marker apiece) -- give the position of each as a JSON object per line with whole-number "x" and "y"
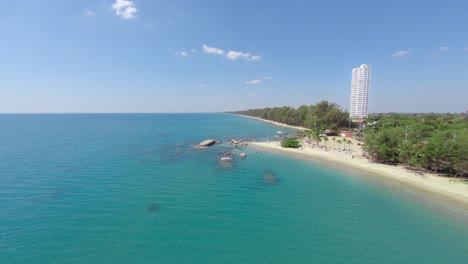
{"x": 153, "y": 208}
{"x": 238, "y": 142}
{"x": 242, "y": 155}
{"x": 269, "y": 178}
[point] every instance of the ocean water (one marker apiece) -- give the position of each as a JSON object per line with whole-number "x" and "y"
{"x": 128, "y": 188}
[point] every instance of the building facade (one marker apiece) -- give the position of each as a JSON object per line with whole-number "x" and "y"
{"x": 360, "y": 86}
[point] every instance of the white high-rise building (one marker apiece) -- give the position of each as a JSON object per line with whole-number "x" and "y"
{"x": 360, "y": 85}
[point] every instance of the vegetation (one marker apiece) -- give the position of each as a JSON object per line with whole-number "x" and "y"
{"x": 429, "y": 142}
{"x": 290, "y": 143}
{"x": 313, "y": 135}
{"x": 433, "y": 142}
{"x": 323, "y": 115}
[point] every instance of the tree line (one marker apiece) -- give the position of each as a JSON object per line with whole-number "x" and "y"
{"x": 431, "y": 142}
{"x": 323, "y": 115}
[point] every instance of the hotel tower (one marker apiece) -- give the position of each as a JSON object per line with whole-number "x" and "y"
{"x": 360, "y": 85}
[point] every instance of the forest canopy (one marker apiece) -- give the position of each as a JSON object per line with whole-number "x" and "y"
{"x": 434, "y": 142}
{"x": 323, "y": 115}
{"x": 431, "y": 142}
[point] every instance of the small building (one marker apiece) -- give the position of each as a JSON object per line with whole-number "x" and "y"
{"x": 346, "y": 134}
{"x": 329, "y": 132}
{"x": 361, "y": 123}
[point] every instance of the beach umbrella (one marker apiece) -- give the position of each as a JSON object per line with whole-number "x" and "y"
{"x": 280, "y": 134}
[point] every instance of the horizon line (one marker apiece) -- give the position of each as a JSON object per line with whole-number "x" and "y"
{"x": 220, "y": 112}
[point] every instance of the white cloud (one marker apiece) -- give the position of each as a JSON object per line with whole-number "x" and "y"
{"x": 441, "y": 50}
{"x": 266, "y": 77}
{"x": 251, "y": 94}
{"x": 253, "y": 82}
{"x": 212, "y": 50}
{"x": 182, "y": 53}
{"x": 400, "y": 53}
{"x": 90, "y": 13}
{"x": 232, "y": 55}
{"x": 201, "y": 84}
{"x": 125, "y": 8}
{"x": 251, "y": 57}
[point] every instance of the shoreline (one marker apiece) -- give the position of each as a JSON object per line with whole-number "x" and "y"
{"x": 429, "y": 182}
{"x": 447, "y": 187}
{"x": 274, "y": 122}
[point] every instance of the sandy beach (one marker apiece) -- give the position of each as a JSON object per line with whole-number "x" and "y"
{"x": 448, "y": 187}
{"x": 277, "y": 123}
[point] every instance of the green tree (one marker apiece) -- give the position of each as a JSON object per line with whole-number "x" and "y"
{"x": 290, "y": 143}
{"x": 349, "y": 144}
{"x": 315, "y": 134}
{"x": 302, "y": 133}
{"x": 325, "y": 139}
{"x": 434, "y": 142}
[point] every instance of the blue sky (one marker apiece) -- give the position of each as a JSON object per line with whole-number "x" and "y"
{"x": 208, "y": 56}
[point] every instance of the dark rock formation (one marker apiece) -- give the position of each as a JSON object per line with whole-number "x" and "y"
{"x": 269, "y": 178}
{"x": 153, "y": 208}
{"x": 206, "y": 143}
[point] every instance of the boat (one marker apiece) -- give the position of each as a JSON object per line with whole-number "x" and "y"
{"x": 225, "y": 158}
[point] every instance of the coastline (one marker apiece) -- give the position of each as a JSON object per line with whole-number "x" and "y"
{"x": 275, "y": 123}
{"x": 448, "y": 187}
{"x": 426, "y": 181}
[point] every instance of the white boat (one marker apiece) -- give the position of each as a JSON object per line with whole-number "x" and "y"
{"x": 225, "y": 158}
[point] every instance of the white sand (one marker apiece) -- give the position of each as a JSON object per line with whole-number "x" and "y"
{"x": 449, "y": 187}
{"x": 277, "y": 123}
{"x": 430, "y": 182}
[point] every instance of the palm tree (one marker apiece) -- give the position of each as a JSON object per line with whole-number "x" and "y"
{"x": 316, "y": 136}
{"x": 334, "y": 141}
{"x": 302, "y": 134}
{"x": 325, "y": 139}
{"x": 306, "y": 134}
{"x": 349, "y": 144}
{"x": 339, "y": 143}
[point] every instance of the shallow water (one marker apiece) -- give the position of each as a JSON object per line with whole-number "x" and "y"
{"x": 129, "y": 188}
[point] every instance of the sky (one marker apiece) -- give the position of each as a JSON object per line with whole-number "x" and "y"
{"x": 104, "y": 56}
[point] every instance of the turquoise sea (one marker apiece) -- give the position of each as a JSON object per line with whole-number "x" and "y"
{"x": 128, "y": 188}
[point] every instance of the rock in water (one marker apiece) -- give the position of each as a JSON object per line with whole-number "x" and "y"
{"x": 153, "y": 208}
{"x": 269, "y": 178}
{"x": 207, "y": 143}
{"x": 242, "y": 155}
